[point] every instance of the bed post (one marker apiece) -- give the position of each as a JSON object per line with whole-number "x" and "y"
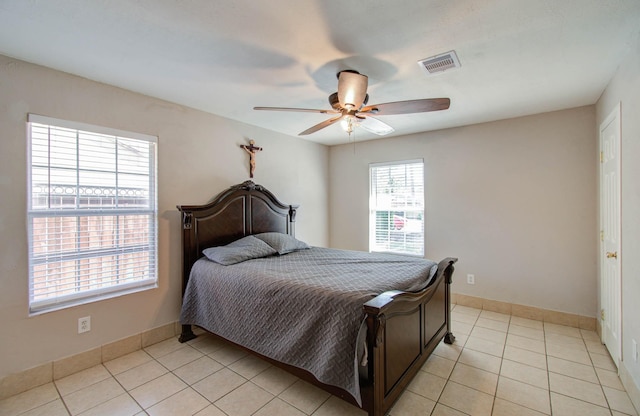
{"x": 449, "y": 338}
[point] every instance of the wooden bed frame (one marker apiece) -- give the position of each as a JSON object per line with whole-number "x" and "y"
{"x": 403, "y": 328}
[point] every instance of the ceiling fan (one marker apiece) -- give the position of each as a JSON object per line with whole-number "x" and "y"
{"x": 350, "y": 105}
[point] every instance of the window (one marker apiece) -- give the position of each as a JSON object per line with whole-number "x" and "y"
{"x": 396, "y": 207}
{"x": 92, "y": 213}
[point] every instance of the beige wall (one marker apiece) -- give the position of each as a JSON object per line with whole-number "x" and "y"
{"x": 514, "y": 200}
{"x": 624, "y": 88}
{"x": 199, "y": 155}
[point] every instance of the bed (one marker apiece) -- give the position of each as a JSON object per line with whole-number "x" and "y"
{"x": 382, "y": 337}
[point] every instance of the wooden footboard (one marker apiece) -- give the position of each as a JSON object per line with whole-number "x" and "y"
{"x": 403, "y": 329}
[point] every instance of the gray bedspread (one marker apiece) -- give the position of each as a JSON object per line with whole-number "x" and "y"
{"x": 303, "y": 308}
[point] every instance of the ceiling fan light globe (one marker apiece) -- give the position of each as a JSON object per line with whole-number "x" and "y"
{"x": 347, "y": 124}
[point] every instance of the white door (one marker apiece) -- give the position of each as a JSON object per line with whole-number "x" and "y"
{"x": 610, "y": 279}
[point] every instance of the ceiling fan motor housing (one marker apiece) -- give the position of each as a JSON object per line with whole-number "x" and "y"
{"x": 335, "y": 103}
{"x": 352, "y": 89}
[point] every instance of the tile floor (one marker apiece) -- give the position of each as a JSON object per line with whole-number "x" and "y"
{"x": 499, "y": 365}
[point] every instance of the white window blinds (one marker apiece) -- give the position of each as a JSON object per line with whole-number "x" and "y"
{"x": 92, "y": 213}
{"x": 396, "y": 207}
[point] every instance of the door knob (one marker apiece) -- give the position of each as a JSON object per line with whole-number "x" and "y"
{"x": 611, "y": 255}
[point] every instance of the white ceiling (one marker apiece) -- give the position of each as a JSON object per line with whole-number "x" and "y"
{"x": 518, "y": 57}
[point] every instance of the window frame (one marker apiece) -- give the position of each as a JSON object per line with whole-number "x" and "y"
{"x": 373, "y": 209}
{"x": 119, "y": 214}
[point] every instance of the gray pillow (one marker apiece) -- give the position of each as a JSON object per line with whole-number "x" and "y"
{"x": 282, "y": 243}
{"x": 246, "y": 248}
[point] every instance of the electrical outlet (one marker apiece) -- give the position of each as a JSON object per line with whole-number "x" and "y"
{"x": 84, "y": 324}
{"x": 471, "y": 279}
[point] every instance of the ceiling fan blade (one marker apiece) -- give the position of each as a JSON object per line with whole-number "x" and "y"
{"x": 305, "y": 110}
{"x": 373, "y": 125}
{"x": 352, "y": 89}
{"x": 408, "y": 107}
{"x": 320, "y": 126}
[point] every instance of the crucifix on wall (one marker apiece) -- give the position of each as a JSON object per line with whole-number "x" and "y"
{"x": 252, "y": 149}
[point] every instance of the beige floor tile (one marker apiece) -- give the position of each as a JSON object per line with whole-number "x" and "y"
{"x": 335, "y": 406}
{"x": 475, "y": 378}
{"x": 589, "y": 335}
{"x": 54, "y": 408}
{"x": 527, "y": 357}
{"x": 210, "y": 410}
{"x": 304, "y": 396}
{"x": 495, "y": 316}
{"x": 122, "y": 405}
{"x": 157, "y": 390}
{"x": 82, "y": 379}
{"x": 207, "y": 344}
{"x": 481, "y": 360}
{"x": 427, "y": 385}
{"x": 411, "y": 404}
{"x": 565, "y": 341}
{"x": 180, "y": 357}
{"x": 280, "y": 408}
{"x": 218, "y": 384}
{"x": 609, "y": 379}
{"x": 603, "y": 361}
{"x": 274, "y": 380}
{"x": 29, "y": 400}
{"x": 525, "y": 373}
{"x": 163, "y": 348}
{"x": 596, "y": 347}
{"x": 93, "y": 395}
{"x": 439, "y": 366}
{"x": 184, "y": 402}
{"x": 572, "y": 369}
{"x": 197, "y": 370}
{"x": 249, "y": 366}
{"x": 499, "y": 337}
{"x": 526, "y": 343}
{"x": 466, "y": 399}
{"x": 529, "y": 323}
{"x": 524, "y": 395}
{"x": 227, "y": 355}
{"x": 569, "y": 353}
{"x": 523, "y": 331}
{"x": 492, "y": 324}
{"x": 461, "y": 328}
{"x": 127, "y": 362}
{"x": 467, "y": 310}
{"x": 616, "y": 413}
{"x": 567, "y": 406}
{"x": 460, "y": 340}
{"x": 442, "y": 410}
{"x": 245, "y": 400}
{"x": 503, "y": 407}
{"x": 619, "y": 400}
{"x": 562, "y": 330}
{"x": 578, "y": 389}
{"x": 141, "y": 374}
{"x": 464, "y": 318}
{"x": 486, "y": 346}
{"x": 448, "y": 351}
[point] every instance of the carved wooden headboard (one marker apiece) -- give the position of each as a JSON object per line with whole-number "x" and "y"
{"x": 239, "y": 211}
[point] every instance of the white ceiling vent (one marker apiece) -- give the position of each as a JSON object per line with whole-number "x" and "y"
{"x": 440, "y": 63}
